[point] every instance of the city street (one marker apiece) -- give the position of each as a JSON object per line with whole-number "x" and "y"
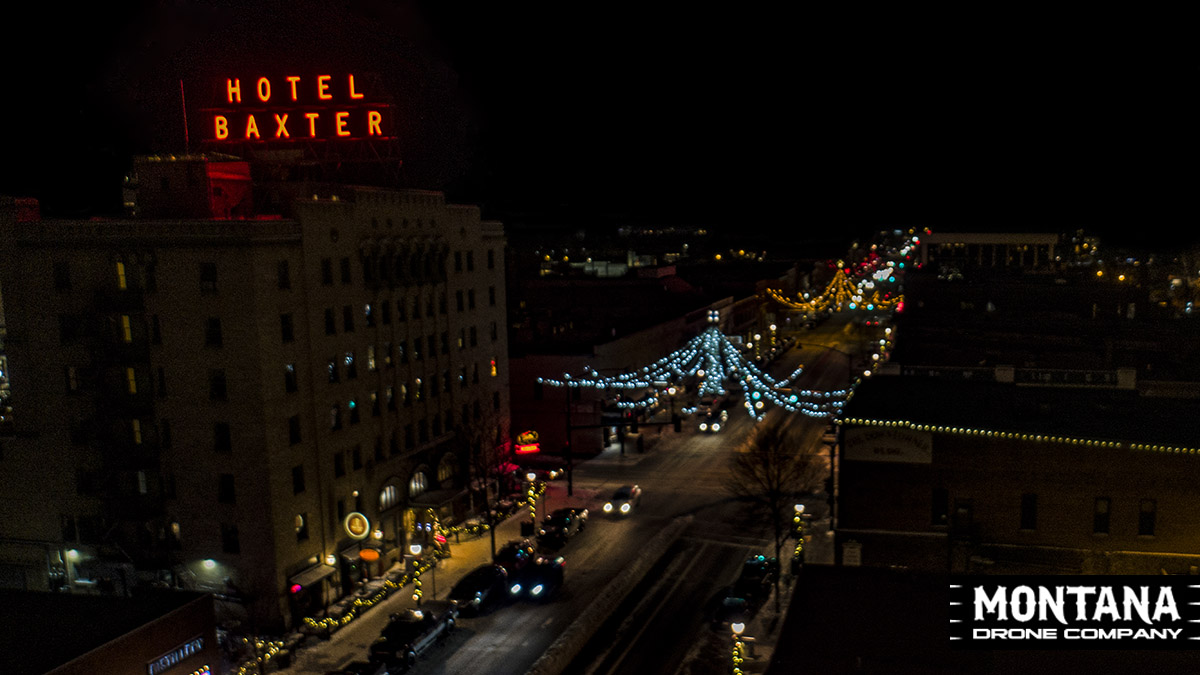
{"x": 664, "y": 624}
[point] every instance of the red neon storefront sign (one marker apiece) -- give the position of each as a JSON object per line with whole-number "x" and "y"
{"x": 296, "y": 108}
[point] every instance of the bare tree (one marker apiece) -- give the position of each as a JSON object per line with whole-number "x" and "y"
{"x": 770, "y": 471}
{"x": 486, "y": 453}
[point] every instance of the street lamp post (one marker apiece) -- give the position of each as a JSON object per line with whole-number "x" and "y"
{"x": 415, "y": 549}
{"x": 739, "y": 647}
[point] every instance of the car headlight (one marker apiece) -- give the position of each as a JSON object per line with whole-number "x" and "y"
{"x": 703, "y": 426}
{"x": 516, "y": 588}
{"x": 608, "y": 507}
{"x": 625, "y": 508}
{"x": 716, "y": 427}
{"x": 542, "y": 532}
{"x": 536, "y": 590}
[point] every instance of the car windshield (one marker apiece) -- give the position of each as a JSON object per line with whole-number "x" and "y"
{"x": 623, "y": 492}
{"x": 510, "y": 553}
{"x": 479, "y": 577}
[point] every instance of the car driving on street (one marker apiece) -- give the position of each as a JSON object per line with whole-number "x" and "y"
{"x": 411, "y": 633}
{"x": 541, "y": 578}
{"x": 482, "y": 588}
{"x": 623, "y": 500}
{"x": 515, "y": 555}
{"x": 562, "y": 524}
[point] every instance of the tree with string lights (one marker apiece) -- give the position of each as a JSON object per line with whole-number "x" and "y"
{"x": 769, "y": 471}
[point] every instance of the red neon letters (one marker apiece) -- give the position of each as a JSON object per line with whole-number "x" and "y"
{"x": 330, "y": 107}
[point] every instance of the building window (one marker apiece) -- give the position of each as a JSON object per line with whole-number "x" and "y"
{"x": 222, "y": 439}
{"x": 491, "y": 259}
{"x": 135, "y": 427}
{"x": 470, "y": 261}
{"x": 287, "y": 332}
{"x": 389, "y": 496}
{"x": 208, "y": 277}
{"x": 217, "y": 388}
{"x": 212, "y": 332}
{"x": 458, "y": 300}
{"x": 371, "y": 358}
{"x": 122, "y": 282}
{"x": 408, "y": 437}
{"x": 442, "y": 304}
{"x": 474, "y": 373}
{"x": 348, "y": 319}
{"x": 285, "y": 277}
{"x": 940, "y": 513}
{"x": 402, "y": 352}
{"x": 126, "y": 329}
{"x": 375, "y": 409}
{"x": 471, "y": 299}
{"x": 445, "y": 342}
{"x": 401, "y": 311}
{"x": 351, "y": 366}
{"x": 387, "y": 354}
{"x": 345, "y": 270}
{"x": 356, "y": 457}
{"x": 225, "y": 493}
{"x": 155, "y": 330}
{"x": 458, "y": 261}
{"x": 417, "y": 485}
{"x": 385, "y": 315}
{"x": 462, "y": 338}
{"x": 353, "y": 406}
{"x": 131, "y": 380}
{"x": 495, "y": 332}
{"x": 369, "y": 313}
{"x": 339, "y": 464}
{"x": 474, "y": 337}
{"x": 297, "y": 479}
{"x": 290, "y": 384}
{"x": 326, "y": 272}
{"x": 416, "y": 308}
{"x": 390, "y": 395}
{"x": 229, "y": 538}
{"x": 1029, "y": 511}
{"x": 491, "y": 296}
{"x": 335, "y": 417}
{"x": 1100, "y": 515}
{"x": 62, "y": 276}
{"x": 330, "y": 322}
{"x": 416, "y": 348}
{"x": 72, "y": 376}
{"x": 496, "y": 400}
{"x": 294, "y": 430}
{"x": 1147, "y": 511}
{"x": 333, "y": 371}
{"x": 301, "y": 527}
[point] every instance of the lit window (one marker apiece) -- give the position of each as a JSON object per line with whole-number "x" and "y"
{"x": 126, "y": 328}
{"x": 131, "y": 380}
{"x": 389, "y": 496}
{"x": 371, "y": 357}
{"x": 121, "y": 282}
{"x": 137, "y": 431}
{"x": 417, "y": 485}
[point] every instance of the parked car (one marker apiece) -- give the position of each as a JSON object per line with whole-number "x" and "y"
{"x": 562, "y": 524}
{"x": 541, "y": 578}
{"x": 730, "y": 609}
{"x": 411, "y": 633}
{"x": 515, "y": 555}
{"x": 754, "y": 581}
{"x": 623, "y": 500}
{"x": 483, "y": 587}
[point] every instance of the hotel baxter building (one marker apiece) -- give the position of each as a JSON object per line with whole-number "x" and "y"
{"x": 203, "y": 394}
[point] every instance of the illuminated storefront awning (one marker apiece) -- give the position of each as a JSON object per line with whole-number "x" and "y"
{"x": 312, "y": 575}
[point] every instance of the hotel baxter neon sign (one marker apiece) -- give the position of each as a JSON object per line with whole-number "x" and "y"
{"x": 296, "y": 108}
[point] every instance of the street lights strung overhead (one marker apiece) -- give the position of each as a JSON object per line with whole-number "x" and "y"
{"x": 717, "y": 363}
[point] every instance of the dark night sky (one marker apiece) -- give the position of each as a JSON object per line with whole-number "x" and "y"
{"x": 794, "y": 121}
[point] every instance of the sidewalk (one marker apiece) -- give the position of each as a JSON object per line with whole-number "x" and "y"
{"x": 351, "y": 642}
